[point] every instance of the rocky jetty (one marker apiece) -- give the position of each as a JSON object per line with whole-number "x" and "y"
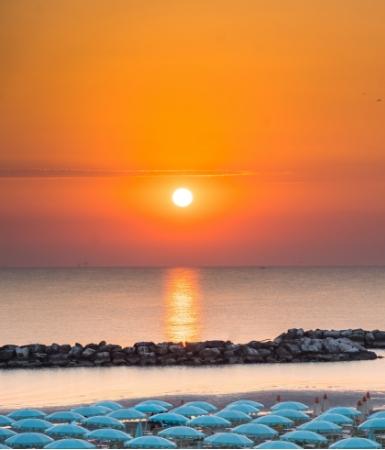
{"x": 295, "y": 345}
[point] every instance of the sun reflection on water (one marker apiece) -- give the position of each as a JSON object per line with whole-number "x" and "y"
{"x": 182, "y": 305}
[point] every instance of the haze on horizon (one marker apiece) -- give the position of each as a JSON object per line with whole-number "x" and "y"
{"x": 272, "y": 113}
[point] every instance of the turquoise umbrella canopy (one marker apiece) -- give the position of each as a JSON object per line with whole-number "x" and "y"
{"x": 26, "y": 413}
{"x": 109, "y": 404}
{"x": 103, "y": 422}
{"x": 345, "y": 411}
{"x": 65, "y": 417}
{"x": 233, "y": 416}
{"x": 209, "y": 422}
{"x": 339, "y": 419}
{"x": 149, "y": 442}
{"x": 292, "y": 414}
{"x": 227, "y": 440}
{"x": 169, "y": 418}
{"x": 290, "y": 405}
{"x": 244, "y": 407}
{"x": 355, "y": 442}
{"x": 163, "y": 403}
{"x": 377, "y": 415}
{"x": 257, "y": 405}
{"x": 68, "y": 430}
{"x": 278, "y": 444}
{"x": 255, "y": 431}
{"x": 321, "y": 426}
{"x": 273, "y": 420}
{"x": 109, "y": 434}
{"x": 181, "y": 432}
{"x": 376, "y": 424}
{"x": 128, "y": 414}
{"x": 5, "y": 433}
{"x": 150, "y": 408}
{"x": 189, "y": 411}
{"x": 90, "y": 411}
{"x": 6, "y": 421}
{"x": 4, "y": 446}
{"x": 304, "y": 437}
{"x": 209, "y": 407}
{"x": 39, "y": 425}
{"x": 28, "y": 440}
{"x": 70, "y": 443}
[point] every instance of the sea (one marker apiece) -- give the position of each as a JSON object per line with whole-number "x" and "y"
{"x": 181, "y": 304}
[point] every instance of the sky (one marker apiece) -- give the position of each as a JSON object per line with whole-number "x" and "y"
{"x": 271, "y": 112}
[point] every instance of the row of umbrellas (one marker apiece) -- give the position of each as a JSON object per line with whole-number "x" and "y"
{"x": 239, "y": 425}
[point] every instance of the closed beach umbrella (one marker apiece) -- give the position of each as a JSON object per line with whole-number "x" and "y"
{"x": 189, "y": 411}
{"x": 90, "y": 411}
{"x": 273, "y": 420}
{"x": 376, "y": 424}
{"x": 169, "y": 419}
{"x": 233, "y": 416}
{"x": 290, "y": 405}
{"x": 209, "y": 407}
{"x": 5, "y": 421}
{"x": 28, "y": 440}
{"x": 31, "y": 425}
{"x": 257, "y": 405}
{"x": 128, "y": 415}
{"x": 209, "y": 422}
{"x": 26, "y": 413}
{"x": 65, "y": 417}
{"x": 339, "y": 419}
{"x": 244, "y": 407}
{"x": 278, "y": 444}
{"x": 5, "y": 433}
{"x": 109, "y": 435}
{"x": 149, "y": 442}
{"x": 355, "y": 442}
{"x": 70, "y": 443}
{"x": 304, "y": 437}
{"x": 109, "y": 404}
{"x": 163, "y": 403}
{"x": 150, "y": 408}
{"x": 321, "y": 426}
{"x": 255, "y": 431}
{"x": 227, "y": 440}
{"x": 68, "y": 430}
{"x": 181, "y": 432}
{"x": 347, "y": 411}
{"x": 293, "y": 414}
{"x": 103, "y": 422}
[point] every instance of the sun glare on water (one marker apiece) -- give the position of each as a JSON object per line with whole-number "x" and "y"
{"x": 182, "y": 197}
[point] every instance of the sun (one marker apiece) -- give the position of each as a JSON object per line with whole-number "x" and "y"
{"x": 182, "y": 197}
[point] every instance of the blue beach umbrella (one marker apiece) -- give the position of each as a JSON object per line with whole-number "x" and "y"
{"x": 163, "y": 403}
{"x": 109, "y": 435}
{"x": 4, "y": 446}
{"x": 28, "y": 440}
{"x": 355, "y": 442}
{"x": 65, "y": 417}
{"x": 96, "y": 422}
{"x": 321, "y": 426}
{"x": 6, "y": 421}
{"x": 304, "y": 437}
{"x": 244, "y": 407}
{"x": 151, "y": 408}
{"x": 299, "y": 406}
{"x": 149, "y": 442}
{"x": 70, "y": 443}
{"x": 212, "y": 422}
{"x": 376, "y": 424}
{"x": 292, "y": 414}
{"x": 347, "y": 411}
{"x": 377, "y": 415}
{"x": 26, "y": 413}
{"x": 278, "y": 444}
{"x": 255, "y": 431}
{"x": 339, "y": 419}
{"x": 5, "y": 433}
{"x": 109, "y": 404}
{"x": 189, "y": 411}
{"x": 169, "y": 418}
{"x": 181, "y": 432}
{"x": 209, "y": 407}
{"x": 128, "y": 415}
{"x": 68, "y": 430}
{"x": 273, "y": 420}
{"x": 257, "y": 405}
{"x": 90, "y": 411}
{"x": 227, "y": 440}
{"x": 233, "y": 416}
{"x": 39, "y": 425}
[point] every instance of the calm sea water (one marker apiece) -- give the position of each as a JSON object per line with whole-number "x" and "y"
{"x": 125, "y": 305}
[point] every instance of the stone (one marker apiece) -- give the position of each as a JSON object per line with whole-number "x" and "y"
{"x": 6, "y": 354}
{"x": 88, "y": 353}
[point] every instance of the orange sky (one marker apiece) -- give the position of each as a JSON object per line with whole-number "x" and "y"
{"x": 272, "y": 112}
